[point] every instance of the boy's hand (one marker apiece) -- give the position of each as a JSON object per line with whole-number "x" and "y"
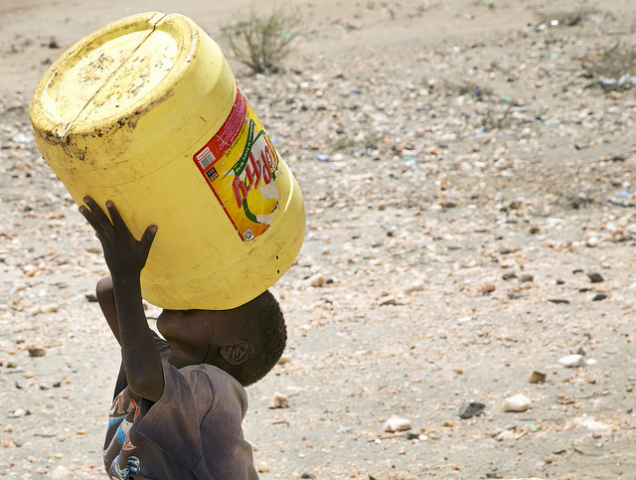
{"x": 122, "y": 252}
{"x": 126, "y": 257}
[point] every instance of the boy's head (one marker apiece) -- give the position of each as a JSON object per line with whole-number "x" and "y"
{"x": 246, "y": 341}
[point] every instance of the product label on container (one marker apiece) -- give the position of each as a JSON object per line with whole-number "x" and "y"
{"x": 240, "y": 165}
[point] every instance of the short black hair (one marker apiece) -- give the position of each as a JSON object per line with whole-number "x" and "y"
{"x": 268, "y": 335}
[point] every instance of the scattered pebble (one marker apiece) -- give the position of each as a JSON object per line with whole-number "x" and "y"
{"x": 599, "y": 296}
{"x": 471, "y": 409}
{"x": 284, "y": 359}
{"x": 572, "y": 361}
{"x": 537, "y": 377}
{"x": 397, "y": 424}
{"x": 37, "y": 352}
{"x": 19, "y": 413}
{"x": 559, "y": 301}
{"x": 379, "y": 476}
{"x": 591, "y": 424}
{"x": 316, "y": 280}
{"x": 595, "y": 277}
{"x": 60, "y": 472}
{"x": 278, "y": 401}
{"x": 592, "y": 242}
{"x": 517, "y": 403}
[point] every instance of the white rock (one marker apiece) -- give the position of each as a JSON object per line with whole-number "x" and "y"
{"x": 397, "y": 425}
{"x": 316, "y": 281}
{"x": 506, "y": 435}
{"x": 415, "y": 287}
{"x": 591, "y": 424}
{"x": 20, "y": 412}
{"x": 23, "y": 138}
{"x": 572, "y": 361}
{"x": 60, "y": 472}
{"x": 517, "y": 403}
{"x": 50, "y": 308}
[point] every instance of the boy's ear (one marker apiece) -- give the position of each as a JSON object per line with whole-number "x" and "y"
{"x": 237, "y": 353}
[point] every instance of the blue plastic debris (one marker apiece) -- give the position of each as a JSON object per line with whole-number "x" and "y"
{"x": 322, "y": 157}
{"x": 607, "y": 82}
{"x": 412, "y": 159}
{"x": 623, "y": 80}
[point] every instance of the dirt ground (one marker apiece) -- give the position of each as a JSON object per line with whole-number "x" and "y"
{"x": 468, "y": 178}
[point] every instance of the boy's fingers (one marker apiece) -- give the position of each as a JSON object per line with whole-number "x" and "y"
{"x": 148, "y": 237}
{"x": 118, "y": 222}
{"x": 97, "y": 212}
{"x": 90, "y": 218}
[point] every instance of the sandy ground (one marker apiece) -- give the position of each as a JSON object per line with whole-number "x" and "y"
{"x": 451, "y": 249}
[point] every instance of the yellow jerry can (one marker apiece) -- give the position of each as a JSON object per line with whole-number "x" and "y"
{"x": 147, "y": 113}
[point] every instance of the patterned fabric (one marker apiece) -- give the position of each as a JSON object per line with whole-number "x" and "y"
{"x": 192, "y": 431}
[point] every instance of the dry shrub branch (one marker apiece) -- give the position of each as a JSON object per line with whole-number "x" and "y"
{"x": 262, "y": 41}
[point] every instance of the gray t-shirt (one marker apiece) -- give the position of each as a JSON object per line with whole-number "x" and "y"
{"x": 192, "y": 431}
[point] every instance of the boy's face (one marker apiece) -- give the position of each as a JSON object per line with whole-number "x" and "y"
{"x": 190, "y": 334}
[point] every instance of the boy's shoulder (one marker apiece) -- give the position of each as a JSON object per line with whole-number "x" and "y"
{"x": 210, "y": 380}
{"x": 214, "y": 373}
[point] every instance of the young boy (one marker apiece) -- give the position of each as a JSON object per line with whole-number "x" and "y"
{"x": 179, "y": 403}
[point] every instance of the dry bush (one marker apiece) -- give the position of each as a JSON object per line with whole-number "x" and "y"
{"x": 614, "y": 68}
{"x": 262, "y": 41}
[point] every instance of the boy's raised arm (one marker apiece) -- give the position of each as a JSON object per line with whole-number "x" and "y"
{"x": 125, "y": 257}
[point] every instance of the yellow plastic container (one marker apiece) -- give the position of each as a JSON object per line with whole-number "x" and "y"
{"x": 146, "y": 112}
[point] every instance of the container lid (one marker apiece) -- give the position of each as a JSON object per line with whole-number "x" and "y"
{"x": 112, "y": 73}
{"x": 103, "y": 112}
